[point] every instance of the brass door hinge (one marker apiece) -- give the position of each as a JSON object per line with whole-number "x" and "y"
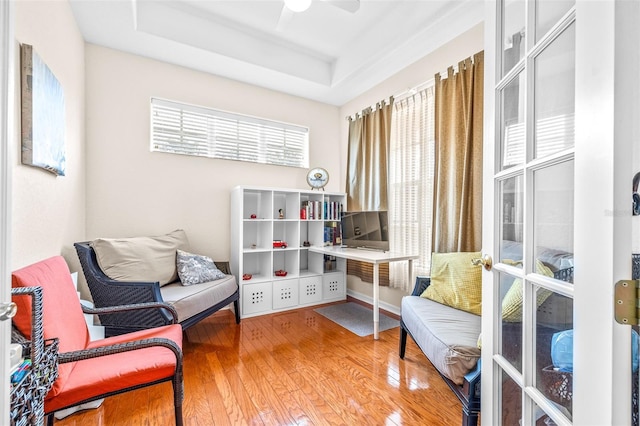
{"x": 627, "y": 296}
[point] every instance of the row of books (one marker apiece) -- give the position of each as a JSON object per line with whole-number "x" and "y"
{"x": 327, "y": 210}
{"x": 332, "y": 234}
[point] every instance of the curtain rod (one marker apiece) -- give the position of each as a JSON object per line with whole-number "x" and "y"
{"x": 373, "y": 107}
{"x": 413, "y": 90}
{"x": 404, "y": 94}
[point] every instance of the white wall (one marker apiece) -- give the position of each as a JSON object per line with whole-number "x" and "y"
{"x": 48, "y": 212}
{"x": 421, "y": 71}
{"x": 132, "y": 191}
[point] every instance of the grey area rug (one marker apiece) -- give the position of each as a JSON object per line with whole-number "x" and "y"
{"x": 356, "y": 318}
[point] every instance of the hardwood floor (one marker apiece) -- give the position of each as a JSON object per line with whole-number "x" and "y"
{"x": 291, "y": 368}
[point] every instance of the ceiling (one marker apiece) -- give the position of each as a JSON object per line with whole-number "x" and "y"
{"x": 325, "y": 53}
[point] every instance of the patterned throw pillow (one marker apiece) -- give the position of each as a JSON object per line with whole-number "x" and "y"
{"x": 196, "y": 269}
{"x": 455, "y": 281}
{"x": 512, "y": 301}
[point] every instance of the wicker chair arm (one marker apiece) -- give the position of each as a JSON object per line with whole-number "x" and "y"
{"x": 132, "y": 307}
{"x": 128, "y": 292}
{"x": 120, "y": 348}
{"x": 421, "y": 284}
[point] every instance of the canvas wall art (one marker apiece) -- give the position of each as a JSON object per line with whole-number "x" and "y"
{"x": 43, "y": 115}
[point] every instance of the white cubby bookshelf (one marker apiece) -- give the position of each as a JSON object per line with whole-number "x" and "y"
{"x": 311, "y": 279}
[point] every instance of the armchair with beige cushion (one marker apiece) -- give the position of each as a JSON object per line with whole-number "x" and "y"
{"x": 123, "y": 271}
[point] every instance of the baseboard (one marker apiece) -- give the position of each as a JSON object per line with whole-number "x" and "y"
{"x": 369, "y": 300}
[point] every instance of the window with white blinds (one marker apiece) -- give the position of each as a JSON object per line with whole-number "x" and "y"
{"x": 193, "y": 130}
{"x": 411, "y": 173}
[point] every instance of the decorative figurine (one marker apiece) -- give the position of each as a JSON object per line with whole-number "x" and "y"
{"x": 281, "y": 214}
{"x": 253, "y": 216}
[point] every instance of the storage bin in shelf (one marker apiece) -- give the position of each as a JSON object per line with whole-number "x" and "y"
{"x": 27, "y": 396}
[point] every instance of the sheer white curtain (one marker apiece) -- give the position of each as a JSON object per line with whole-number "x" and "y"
{"x": 411, "y": 170}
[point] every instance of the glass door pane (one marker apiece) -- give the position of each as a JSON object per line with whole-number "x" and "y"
{"x": 512, "y": 126}
{"x": 548, "y": 12}
{"x": 553, "y": 217}
{"x": 511, "y": 195}
{"x": 554, "y": 95}
{"x": 513, "y": 40}
{"x": 554, "y": 349}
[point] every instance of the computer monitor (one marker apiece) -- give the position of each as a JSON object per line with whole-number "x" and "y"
{"x": 366, "y": 229}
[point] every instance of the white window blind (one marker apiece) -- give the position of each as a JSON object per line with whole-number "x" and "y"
{"x": 553, "y": 134}
{"x": 411, "y": 173}
{"x": 193, "y": 130}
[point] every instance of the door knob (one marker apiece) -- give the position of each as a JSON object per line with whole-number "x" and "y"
{"x": 7, "y": 310}
{"x": 485, "y": 261}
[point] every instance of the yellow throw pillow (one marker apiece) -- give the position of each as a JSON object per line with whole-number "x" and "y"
{"x": 455, "y": 281}
{"x": 512, "y": 301}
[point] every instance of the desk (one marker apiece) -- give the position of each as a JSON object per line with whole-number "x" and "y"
{"x": 370, "y": 256}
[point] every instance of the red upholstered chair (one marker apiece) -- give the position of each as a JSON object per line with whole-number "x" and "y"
{"x": 93, "y": 370}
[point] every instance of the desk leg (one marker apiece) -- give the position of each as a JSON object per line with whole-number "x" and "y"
{"x": 376, "y": 300}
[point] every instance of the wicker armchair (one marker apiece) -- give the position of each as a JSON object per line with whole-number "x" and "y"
{"x": 108, "y": 292}
{"x": 91, "y": 370}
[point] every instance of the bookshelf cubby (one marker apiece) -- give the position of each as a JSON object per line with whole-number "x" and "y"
{"x": 299, "y": 218}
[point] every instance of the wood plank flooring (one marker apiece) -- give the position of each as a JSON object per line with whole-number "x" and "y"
{"x": 291, "y": 368}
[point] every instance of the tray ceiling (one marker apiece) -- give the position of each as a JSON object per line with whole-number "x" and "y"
{"x": 325, "y": 53}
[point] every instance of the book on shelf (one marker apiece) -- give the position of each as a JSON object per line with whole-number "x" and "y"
{"x": 332, "y": 233}
{"x": 320, "y": 210}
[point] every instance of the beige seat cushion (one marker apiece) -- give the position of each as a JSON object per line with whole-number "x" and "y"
{"x": 446, "y": 335}
{"x": 146, "y": 259}
{"x": 193, "y": 299}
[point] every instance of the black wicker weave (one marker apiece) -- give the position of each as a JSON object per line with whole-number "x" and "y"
{"x": 27, "y": 396}
{"x": 106, "y": 292}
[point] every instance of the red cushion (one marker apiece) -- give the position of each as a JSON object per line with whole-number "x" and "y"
{"x": 62, "y": 313}
{"x": 115, "y": 372}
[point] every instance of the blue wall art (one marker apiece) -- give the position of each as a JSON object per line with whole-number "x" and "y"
{"x": 43, "y": 122}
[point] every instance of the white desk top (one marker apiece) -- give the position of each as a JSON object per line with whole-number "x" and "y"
{"x": 363, "y": 255}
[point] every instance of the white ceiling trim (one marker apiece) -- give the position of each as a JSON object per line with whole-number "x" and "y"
{"x": 231, "y": 49}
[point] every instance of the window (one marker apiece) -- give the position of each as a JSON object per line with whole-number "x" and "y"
{"x": 411, "y": 172}
{"x": 193, "y": 130}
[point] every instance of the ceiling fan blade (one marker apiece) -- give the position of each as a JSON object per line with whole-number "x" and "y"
{"x": 348, "y": 5}
{"x": 285, "y": 17}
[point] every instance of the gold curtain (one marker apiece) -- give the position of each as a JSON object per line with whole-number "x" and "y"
{"x": 457, "y": 198}
{"x": 367, "y": 171}
{"x": 367, "y": 165}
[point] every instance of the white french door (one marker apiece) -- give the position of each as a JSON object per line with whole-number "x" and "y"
{"x": 560, "y": 98}
{"x": 7, "y": 42}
